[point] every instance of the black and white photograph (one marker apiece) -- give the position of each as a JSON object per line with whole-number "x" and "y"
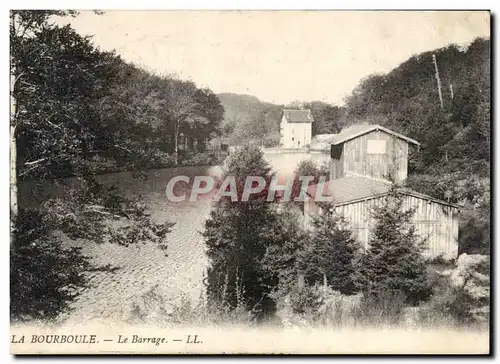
{"x": 250, "y": 182}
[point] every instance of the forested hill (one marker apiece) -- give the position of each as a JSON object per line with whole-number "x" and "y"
{"x": 454, "y": 137}
{"x": 247, "y": 118}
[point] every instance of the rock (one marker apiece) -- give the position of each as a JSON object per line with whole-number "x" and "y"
{"x": 472, "y": 275}
{"x": 469, "y": 268}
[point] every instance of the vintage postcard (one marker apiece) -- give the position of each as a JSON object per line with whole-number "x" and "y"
{"x": 250, "y": 182}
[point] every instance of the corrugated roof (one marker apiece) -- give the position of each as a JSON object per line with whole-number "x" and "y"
{"x": 361, "y": 129}
{"x": 352, "y": 188}
{"x": 298, "y": 116}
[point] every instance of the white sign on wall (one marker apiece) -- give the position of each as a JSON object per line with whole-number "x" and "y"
{"x": 376, "y": 147}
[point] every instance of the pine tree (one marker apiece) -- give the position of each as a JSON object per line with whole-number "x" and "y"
{"x": 330, "y": 253}
{"x": 394, "y": 262}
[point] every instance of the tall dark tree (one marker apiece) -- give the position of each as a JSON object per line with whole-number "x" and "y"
{"x": 237, "y": 234}
{"x": 329, "y": 254}
{"x": 393, "y": 263}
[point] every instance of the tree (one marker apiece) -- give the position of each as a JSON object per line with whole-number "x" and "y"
{"x": 58, "y": 129}
{"x": 237, "y": 234}
{"x": 22, "y": 26}
{"x": 287, "y": 239}
{"x": 211, "y": 113}
{"x": 329, "y": 254}
{"x": 394, "y": 263}
{"x": 180, "y": 106}
{"x": 327, "y": 117}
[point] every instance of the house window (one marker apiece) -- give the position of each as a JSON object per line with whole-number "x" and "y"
{"x": 376, "y": 147}
{"x": 293, "y": 139}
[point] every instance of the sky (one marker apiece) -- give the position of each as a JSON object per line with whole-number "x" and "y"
{"x": 277, "y": 56}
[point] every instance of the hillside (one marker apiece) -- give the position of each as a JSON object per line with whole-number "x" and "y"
{"x": 453, "y": 136}
{"x": 246, "y": 118}
{"x": 406, "y": 99}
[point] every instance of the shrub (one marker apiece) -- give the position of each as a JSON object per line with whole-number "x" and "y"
{"x": 385, "y": 308}
{"x": 209, "y": 158}
{"x": 306, "y": 168}
{"x": 45, "y": 277}
{"x": 465, "y": 292}
{"x": 305, "y": 300}
{"x": 154, "y": 308}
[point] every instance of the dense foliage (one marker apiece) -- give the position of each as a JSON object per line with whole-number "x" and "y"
{"x": 252, "y": 245}
{"x": 235, "y": 235}
{"x": 77, "y": 111}
{"x": 328, "y": 256}
{"x": 394, "y": 262}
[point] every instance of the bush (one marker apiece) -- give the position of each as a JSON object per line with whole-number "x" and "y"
{"x": 324, "y": 170}
{"x": 154, "y": 308}
{"x": 45, "y": 277}
{"x": 383, "y": 309}
{"x": 210, "y": 158}
{"x": 307, "y": 168}
{"x": 306, "y": 300}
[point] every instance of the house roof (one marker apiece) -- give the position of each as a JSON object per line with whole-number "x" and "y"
{"x": 298, "y": 116}
{"x": 361, "y": 129}
{"x": 322, "y": 141}
{"x": 353, "y": 188}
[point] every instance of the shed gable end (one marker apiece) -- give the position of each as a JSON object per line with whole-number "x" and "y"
{"x": 377, "y": 154}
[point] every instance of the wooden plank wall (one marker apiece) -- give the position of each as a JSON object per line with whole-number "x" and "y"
{"x": 436, "y": 223}
{"x": 395, "y": 160}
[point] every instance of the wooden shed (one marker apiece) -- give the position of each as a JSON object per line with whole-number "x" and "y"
{"x": 365, "y": 160}
{"x": 370, "y": 150}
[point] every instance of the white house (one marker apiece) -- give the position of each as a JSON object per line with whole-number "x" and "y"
{"x": 296, "y": 129}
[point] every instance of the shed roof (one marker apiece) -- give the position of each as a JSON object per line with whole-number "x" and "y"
{"x": 361, "y": 129}
{"x": 353, "y": 188}
{"x": 298, "y": 116}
